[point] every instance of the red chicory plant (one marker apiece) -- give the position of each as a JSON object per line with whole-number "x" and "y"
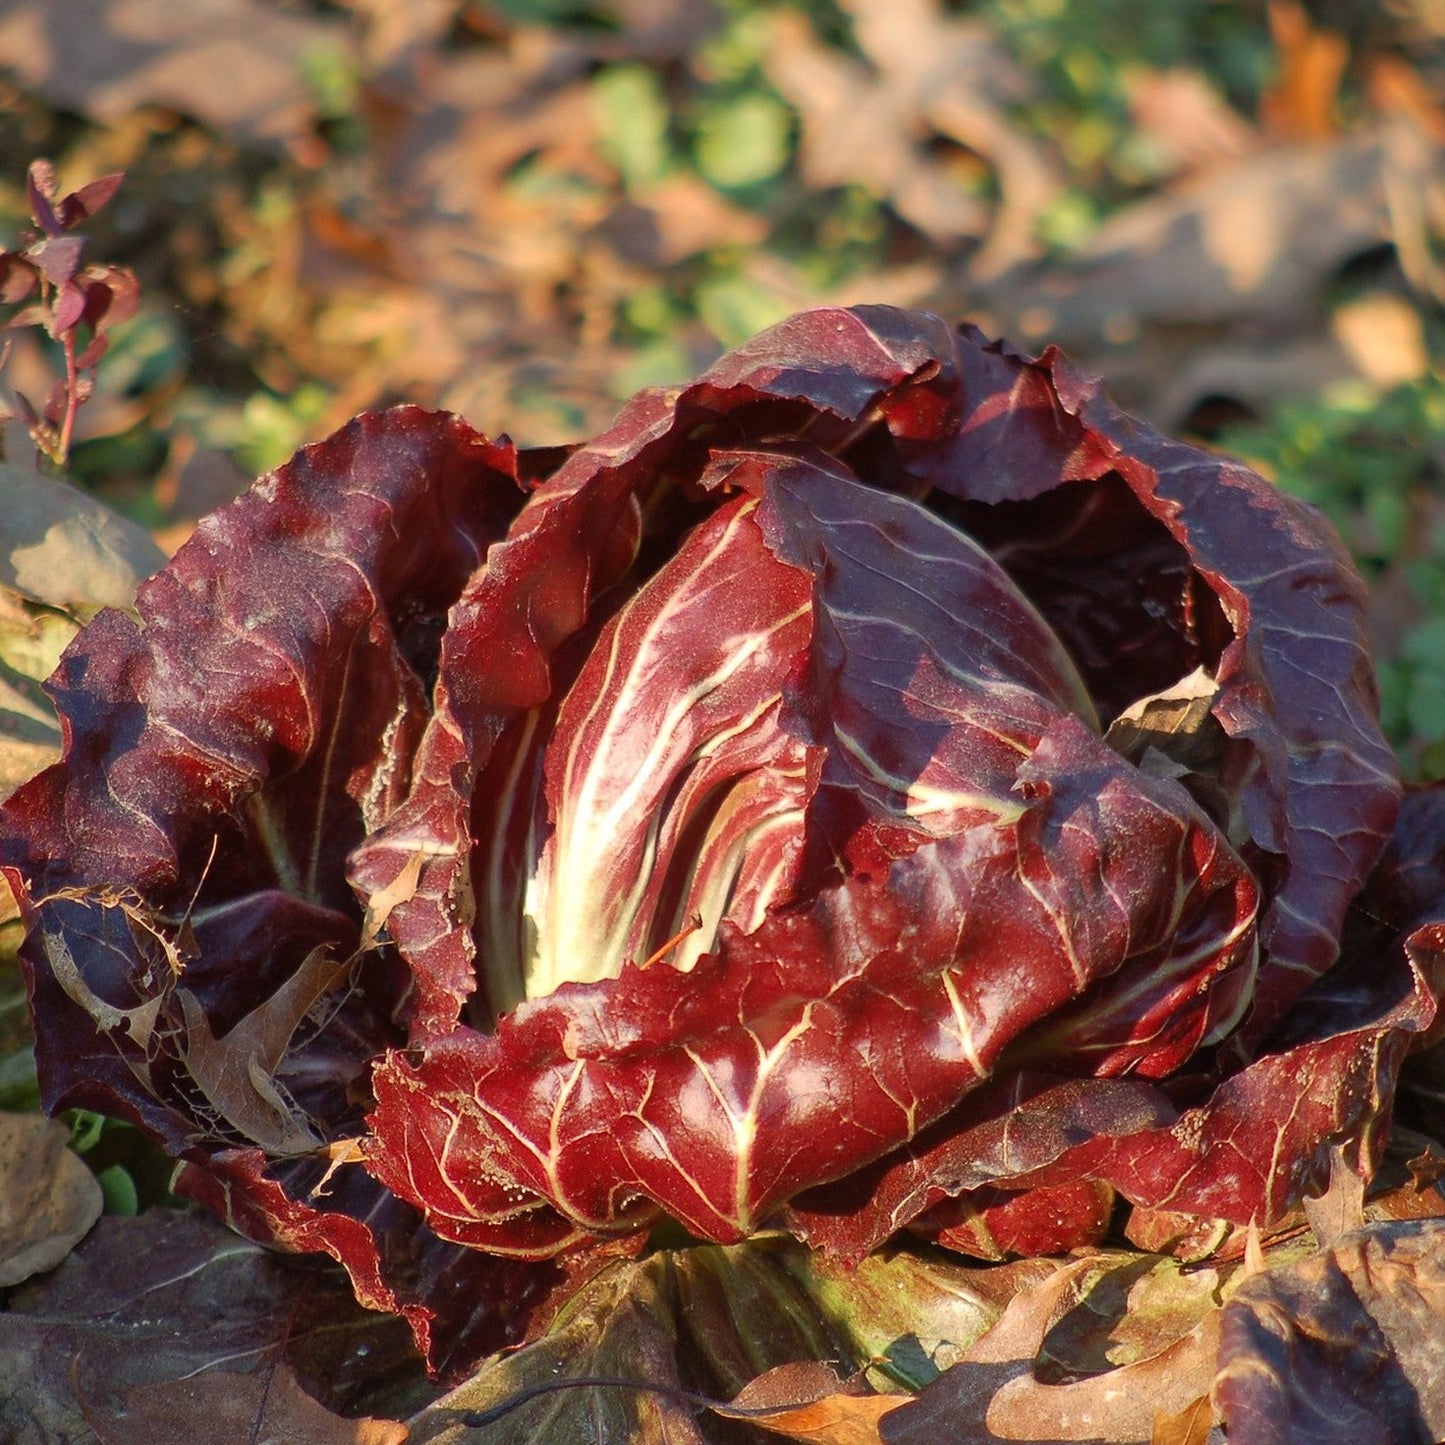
{"x": 877, "y": 785}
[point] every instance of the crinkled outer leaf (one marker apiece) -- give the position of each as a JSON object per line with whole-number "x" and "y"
{"x": 184, "y": 866}
{"x": 1261, "y": 1139}
{"x": 619, "y": 1356}
{"x": 1343, "y": 1346}
{"x": 734, "y": 791}
{"x": 459, "y": 1303}
{"x": 620, "y": 1327}
{"x": 1145, "y": 553}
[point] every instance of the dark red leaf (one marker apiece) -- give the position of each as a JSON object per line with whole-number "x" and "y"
{"x": 148, "y": 1302}
{"x": 85, "y": 202}
{"x": 68, "y": 310}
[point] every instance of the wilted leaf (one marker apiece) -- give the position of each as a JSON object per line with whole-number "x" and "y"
{"x": 48, "y": 1198}
{"x": 808, "y": 1402}
{"x": 1184, "y": 118}
{"x": 1173, "y": 731}
{"x": 1244, "y": 251}
{"x": 159, "y": 1302}
{"x": 743, "y": 1310}
{"x": 1417, "y": 1197}
{"x": 644, "y": 1346}
{"x": 66, "y": 550}
{"x": 238, "y": 1077}
{"x": 1341, "y": 1347}
{"x": 268, "y": 1407}
{"x": 1311, "y": 63}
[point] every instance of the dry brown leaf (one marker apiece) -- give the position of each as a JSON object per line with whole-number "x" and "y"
{"x": 238, "y": 1073}
{"x": 1186, "y": 119}
{"x": 929, "y": 76}
{"x": 1211, "y": 291}
{"x": 1177, "y": 723}
{"x": 48, "y": 1198}
{"x": 1340, "y": 1210}
{"x": 1397, "y": 87}
{"x": 679, "y": 217}
{"x": 398, "y": 891}
{"x": 1384, "y": 335}
{"x": 1191, "y": 1426}
{"x": 806, "y": 1401}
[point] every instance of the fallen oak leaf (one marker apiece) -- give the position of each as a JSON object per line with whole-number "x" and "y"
{"x": 1419, "y": 1197}
{"x": 807, "y": 1401}
{"x": 1004, "y": 1353}
{"x": 1190, "y": 1426}
{"x": 1426, "y": 1168}
{"x": 230, "y": 64}
{"x": 1340, "y": 1210}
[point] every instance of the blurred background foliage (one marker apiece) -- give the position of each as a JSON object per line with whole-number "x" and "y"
{"x": 526, "y": 209}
